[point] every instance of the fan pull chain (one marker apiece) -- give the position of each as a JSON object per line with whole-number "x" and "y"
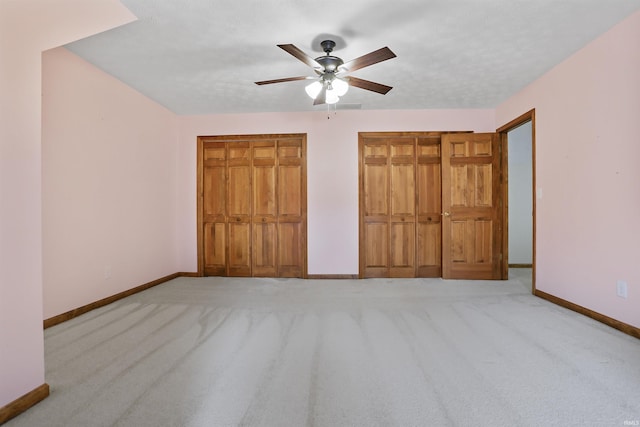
{"x": 335, "y": 110}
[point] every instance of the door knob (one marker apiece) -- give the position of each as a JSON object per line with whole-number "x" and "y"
{"x": 446, "y": 214}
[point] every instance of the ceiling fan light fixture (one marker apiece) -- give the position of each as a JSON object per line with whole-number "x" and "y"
{"x": 313, "y": 89}
{"x": 332, "y": 97}
{"x": 340, "y": 87}
{"x": 328, "y": 87}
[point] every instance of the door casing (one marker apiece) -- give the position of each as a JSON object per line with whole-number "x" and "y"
{"x": 502, "y": 188}
{"x": 529, "y": 116}
{"x": 288, "y": 160}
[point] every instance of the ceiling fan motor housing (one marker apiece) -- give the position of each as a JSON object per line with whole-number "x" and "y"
{"x": 329, "y": 62}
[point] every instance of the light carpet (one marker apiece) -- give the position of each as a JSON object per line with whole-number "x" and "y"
{"x": 377, "y": 352}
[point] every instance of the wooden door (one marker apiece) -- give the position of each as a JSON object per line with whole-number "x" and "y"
{"x": 400, "y": 204}
{"x": 374, "y": 208}
{"x": 291, "y": 197}
{"x": 428, "y": 206}
{"x": 214, "y": 209}
{"x": 252, "y": 205}
{"x": 265, "y": 215}
{"x": 388, "y": 200}
{"x": 471, "y": 225}
{"x": 402, "y": 214}
{"x": 239, "y": 209}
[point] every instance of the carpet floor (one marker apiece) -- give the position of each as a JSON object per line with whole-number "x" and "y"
{"x": 376, "y": 352}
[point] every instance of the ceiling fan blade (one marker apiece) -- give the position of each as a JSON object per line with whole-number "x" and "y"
{"x": 322, "y": 97}
{"x": 369, "y": 85}
{"x": 369, "y": 59}
{"x": 291, "y": 49}
{"x": 287, "y": 79}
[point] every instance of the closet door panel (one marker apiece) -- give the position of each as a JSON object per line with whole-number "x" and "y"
{"x": 215, "y": 246}
{"x": 252, "y": 205}
{"x": 376, "y": 251}
{"x": 375, "y": 208}
{"x": 264, "y": 189}
{"x": 239, "y": 194}
{"x": 290, "y": 191}
{"x": 429, "y": 219}
{"x": 239, "y": 209}
{"x": 376, "y": 189}
{"x": 214, "y": 210}
{"x": 400, "y": 192}
{"x": 402, "y": 249}
{"x": 290, "y": 240}
{"x": 264, "y": 219}
{"x": 215, "y": 181}
{"x": 264, "y": 247}
{"x": 291, "y": 208}
{"x": 429, "y": 244}
{"x": 239, "y": 259}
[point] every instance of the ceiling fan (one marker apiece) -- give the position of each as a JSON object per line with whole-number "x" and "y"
{"x": 331, "y": 82}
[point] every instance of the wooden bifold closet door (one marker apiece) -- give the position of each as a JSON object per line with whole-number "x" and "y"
{"x": 430, "y": 205}
{"x": 252, "y": 205}
{"x": 400, "y": 204}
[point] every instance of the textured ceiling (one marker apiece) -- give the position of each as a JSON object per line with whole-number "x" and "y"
{"x": 202, "y": 56}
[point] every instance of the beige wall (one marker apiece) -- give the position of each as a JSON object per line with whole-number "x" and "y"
{"x": 109, "y": 185}
{"x": 23, "y": 36}
{"x": 107, "y": 211}
{"x": 588, "y": 179}
{"x": 332, "y": 170}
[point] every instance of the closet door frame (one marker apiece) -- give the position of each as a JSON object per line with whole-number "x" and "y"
{"x": 428, "y": 221}
{"x": 201, "y": 140}
{"x": 423, "y": 143}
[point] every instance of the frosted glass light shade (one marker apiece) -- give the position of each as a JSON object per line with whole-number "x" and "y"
{"x": 340, "y": 87}
{"x": 313, "y": 89}
{"x": 336, "y": 88}
{"x": 332, "y": 97}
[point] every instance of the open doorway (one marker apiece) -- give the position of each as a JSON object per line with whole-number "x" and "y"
{"x": 518, "y": 147}
{"x": 520, "y": 201}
